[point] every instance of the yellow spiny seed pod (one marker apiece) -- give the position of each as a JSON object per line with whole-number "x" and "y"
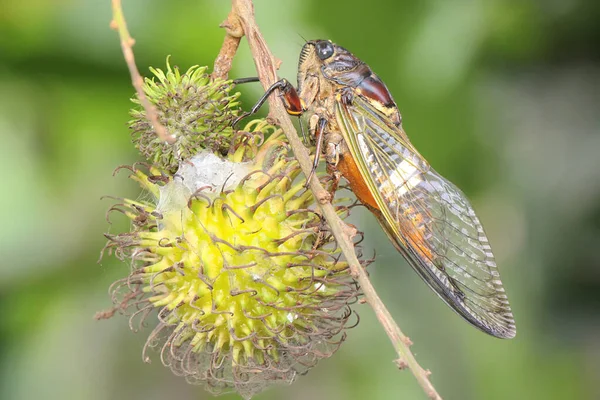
{"x": 241, "y": 271}
{"x": 195, "y": 109}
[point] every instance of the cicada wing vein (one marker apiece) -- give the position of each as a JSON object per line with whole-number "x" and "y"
{"x": 429, "y": 220}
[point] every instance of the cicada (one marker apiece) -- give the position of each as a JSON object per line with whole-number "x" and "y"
{"x": 429, "y": 220}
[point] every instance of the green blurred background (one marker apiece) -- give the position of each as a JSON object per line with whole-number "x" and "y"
{"x": 502, "y": 97}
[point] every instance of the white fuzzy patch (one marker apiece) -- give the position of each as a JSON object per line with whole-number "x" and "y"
{"x": 204, "y": 169}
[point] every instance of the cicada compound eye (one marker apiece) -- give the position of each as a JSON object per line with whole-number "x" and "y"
{"x": 324, "y": 49}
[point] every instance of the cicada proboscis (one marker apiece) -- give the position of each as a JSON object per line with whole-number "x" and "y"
{"x": 427, "y": 218}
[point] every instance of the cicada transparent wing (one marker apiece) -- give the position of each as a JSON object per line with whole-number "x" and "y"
{"x": 428, "y": 219}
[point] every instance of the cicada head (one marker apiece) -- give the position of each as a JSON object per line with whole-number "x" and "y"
{"x": 322, "y": 65}
{"x": 326, "y": 57}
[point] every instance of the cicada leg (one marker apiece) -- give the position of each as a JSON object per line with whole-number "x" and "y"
{"x": 333, "y": 143}
{"x": 319, "y": 135}
{"x": 293, "y": 103}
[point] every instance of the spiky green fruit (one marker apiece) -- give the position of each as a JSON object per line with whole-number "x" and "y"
{"x": 196, "y": 111}
{"x": 241, "y": 270}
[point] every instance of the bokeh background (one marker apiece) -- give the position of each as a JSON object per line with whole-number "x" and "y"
{"x": 502, "y": 97}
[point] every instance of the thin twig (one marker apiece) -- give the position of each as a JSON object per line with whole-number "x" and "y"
{"x": 118, "y": 23}
{"x": 266, "y": 66}
{"x": 230, "y": 45}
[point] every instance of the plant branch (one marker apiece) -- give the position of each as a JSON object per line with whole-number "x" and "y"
{"x": 119, "y": 24}
{"x": 266, "y": 67}
{"x": 230, "y": 45}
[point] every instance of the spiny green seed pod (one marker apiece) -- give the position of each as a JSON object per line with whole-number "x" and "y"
{"x": 196, "y": 110}
{"x": 242, "y": 272}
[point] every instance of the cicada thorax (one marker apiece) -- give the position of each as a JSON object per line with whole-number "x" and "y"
{"x": 355, "y": 78}
{"x": 340, "y": 81}
{"x": 338, "y": 158}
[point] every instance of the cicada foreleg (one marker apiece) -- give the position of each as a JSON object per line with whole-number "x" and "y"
{"x": 250, "y": 79}
{"x": 292, "y": 102}
{"x": 294, "y": 106}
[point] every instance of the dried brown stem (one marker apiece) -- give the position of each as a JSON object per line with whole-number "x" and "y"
{"x": 119, "y": 24}
{"x": 230, "y": 45}
{"x": 266, "y": 67}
